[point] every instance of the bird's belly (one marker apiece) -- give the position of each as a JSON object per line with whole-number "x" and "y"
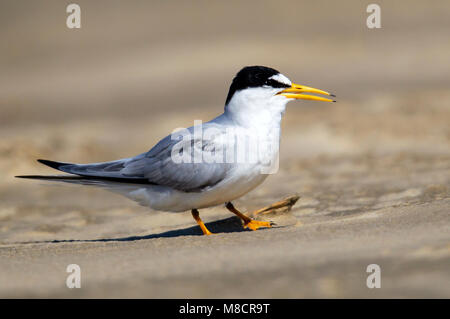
{"x": 166, "y": 199}
{"x": 230, "y": 190}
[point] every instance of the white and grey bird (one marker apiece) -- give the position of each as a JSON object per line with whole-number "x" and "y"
{"x": 201, "y": 166}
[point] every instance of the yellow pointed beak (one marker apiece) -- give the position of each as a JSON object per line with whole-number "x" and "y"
{"x": 296, "y": 90}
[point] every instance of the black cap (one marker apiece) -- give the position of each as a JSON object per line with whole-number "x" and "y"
{"x": 254, "y": 76}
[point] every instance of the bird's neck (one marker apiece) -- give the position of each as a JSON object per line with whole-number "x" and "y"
{"x": 255, "y": 113}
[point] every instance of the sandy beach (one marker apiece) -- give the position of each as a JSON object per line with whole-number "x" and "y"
{"x": 372, "y": 170}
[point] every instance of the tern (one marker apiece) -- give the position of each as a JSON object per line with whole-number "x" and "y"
{"x": 202, "y": 166}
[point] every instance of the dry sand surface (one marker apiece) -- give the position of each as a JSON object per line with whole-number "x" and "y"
{"x": 373, "y": 170}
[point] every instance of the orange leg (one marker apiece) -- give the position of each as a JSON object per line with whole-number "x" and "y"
{"x": 199, "y": 221}
{"x": 280, "y": 206}
{"x": 248, "y": 222}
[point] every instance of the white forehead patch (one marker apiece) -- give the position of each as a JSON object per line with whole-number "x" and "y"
{"x": 281, "y": 78}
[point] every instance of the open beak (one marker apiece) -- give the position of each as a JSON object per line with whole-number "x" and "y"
{"x": 296, "y": 92}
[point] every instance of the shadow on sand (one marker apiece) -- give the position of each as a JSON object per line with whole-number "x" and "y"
{"x": 227, "y": 225}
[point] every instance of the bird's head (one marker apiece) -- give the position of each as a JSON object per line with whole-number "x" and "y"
{"x": 263, "y": 90}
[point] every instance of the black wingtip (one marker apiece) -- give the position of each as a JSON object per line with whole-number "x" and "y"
{"x": 32, "y": 176}
{"x": 51, "y": 177}
{"x": 51, "y": 164}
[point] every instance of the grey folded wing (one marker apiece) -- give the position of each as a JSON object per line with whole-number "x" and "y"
{"x": 161, "y": 165}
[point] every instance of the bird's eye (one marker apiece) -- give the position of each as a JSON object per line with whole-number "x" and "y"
{"x": 275, "y": 84}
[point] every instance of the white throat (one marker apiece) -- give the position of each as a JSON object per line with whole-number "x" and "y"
{"x": 256, "y": 107}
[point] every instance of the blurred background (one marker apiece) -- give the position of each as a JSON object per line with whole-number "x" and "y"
{"x": 136, "y": 70}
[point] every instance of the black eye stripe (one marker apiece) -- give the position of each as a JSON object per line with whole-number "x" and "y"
{"x": 276, "y": 84}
